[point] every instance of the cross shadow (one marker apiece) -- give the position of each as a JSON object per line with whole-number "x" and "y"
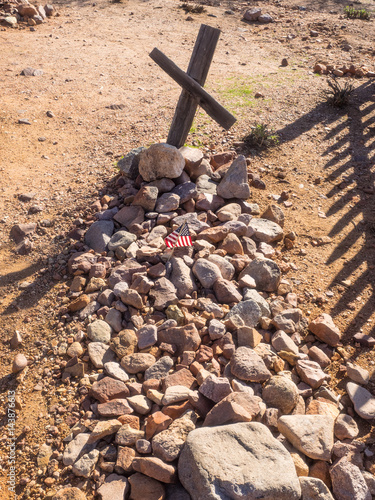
{"x": 351, "y": 156}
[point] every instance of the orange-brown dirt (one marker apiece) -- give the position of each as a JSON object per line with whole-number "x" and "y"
{"x": 94, "y": 55}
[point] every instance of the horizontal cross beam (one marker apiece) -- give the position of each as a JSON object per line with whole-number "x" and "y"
{"x": 215, "y": 110}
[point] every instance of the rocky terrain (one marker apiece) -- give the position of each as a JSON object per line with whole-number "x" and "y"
{"x": 130, "y": 370}
{"x": 176, "y": 355}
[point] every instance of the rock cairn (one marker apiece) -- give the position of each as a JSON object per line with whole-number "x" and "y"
{"x": 350, "y": 70}
{"x": 14, "y": 12}
{"x": 200, "y": 375}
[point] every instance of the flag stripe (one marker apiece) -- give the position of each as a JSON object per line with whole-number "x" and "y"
{"x": 179, "y": 238}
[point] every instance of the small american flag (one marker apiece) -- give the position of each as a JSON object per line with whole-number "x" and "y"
{"x": 179, "y": 238}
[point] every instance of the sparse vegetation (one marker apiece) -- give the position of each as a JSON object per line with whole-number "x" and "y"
{"x": 261, "y": 137}
{"x": 338, "y": 95}
{"x": 193, "y": 8}
{"x": 353, "y": 13}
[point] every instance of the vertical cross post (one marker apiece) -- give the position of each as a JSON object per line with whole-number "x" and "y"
{"x": 199, "y": 65}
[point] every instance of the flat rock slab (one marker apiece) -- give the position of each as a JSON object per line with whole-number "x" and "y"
{"x": 362, "y": 399}
{"x": 239, "y": 461}
{"x": 310, "y": 434}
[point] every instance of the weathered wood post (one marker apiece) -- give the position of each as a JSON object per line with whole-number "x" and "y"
{"x": 192, "y": 82}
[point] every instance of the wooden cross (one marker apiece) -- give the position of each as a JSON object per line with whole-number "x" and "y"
{"x": 192, "y": 83}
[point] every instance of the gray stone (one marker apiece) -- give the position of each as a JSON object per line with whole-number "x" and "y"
{"x": 314, "y": 489}
{"x": 147, "y": 336}
{"x": 266, "y": 273}
{"x": 252, "y": 14}
{"x": 193, "y": 221}
{"x": 164, "y": 185}
{"x": 345, "y": 427}
{"x": 357, "y": 373}
{"x": 168, "y": 444}
{"x": 86, "y": 464}
{"x": 116, "y": 371}
{"x": 114, "y": 319}
{"x": 99, "y": 234}
{"x": 140, "y": 404}
{"x": 114, "y": 487}
{"x": 310, "y": 434}
{"x": 129, "y": 164}
{"x": 121, "y": 239}
{"x": 265, "y": 19}
{"x": 159, "y": 369}
{"x": 185, "y": 191}
{"x": 215, "y": 388}
{"x": 281, "y": 342}
{"x": 241, "y": 460}
{"x": 246, "y": 313}
{"x": 247, "y": 365}
{"x": 132, "y": 298}
{"x": 164, "y": 294}
{"x": 229, "y": 213}
{"x": 161, "y": 160}
{"x": 256, "y": 297}
{"x": 206, "y": 185}
{"x": 216, "y": 329}
{"x": 76, "y": 448}
{"x": 182, "y": 278}
{"x": 348, "y": 482}
{"x": 146, "y": 198}
{"x": 167, "y": 203}
{"x": 226, "y": 268}
{"x": 207, "y": 272}
{"x": 235, "y": 182}
{"x": 100, "y": 354}
{"x": 130, "y": 215}
{"x": 370, "y": 481}
{"x": 280, "y": 392}
{"x": 362, "y": 399}
{"x": 99, "y": 331}
{"x": 266, "y": 230}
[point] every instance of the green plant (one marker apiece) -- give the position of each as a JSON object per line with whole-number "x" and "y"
{"x": 337, "y": 95}
{"x": 261, "y": 137}
{"x": 353, "y": 13}
{"x": 193, "y": 9}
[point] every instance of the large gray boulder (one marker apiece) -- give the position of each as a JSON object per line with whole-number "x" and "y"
{"x": 161, "y": 160}
{"x": 240, "y": 461}
{"x": 234, "y": 183}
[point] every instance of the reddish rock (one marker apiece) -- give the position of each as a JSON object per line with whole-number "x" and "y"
{"x": 108, "y": 388}
{"x": 320, "y": 470}
{"x": 125, "y": 456}
{"x": 79, "y": 303}
{"x": 348, "y": 482}
{"x": 145, "y": 488}
{"x": 226, "y": 292}
{"x": 114, "y": 408}
{"x": 319, "y": 356}
{"x": 204, "y": 354}
{"x": 236, "y": 407}
{"x": 181, "y": 377}
{"x": 156, "y": 422}
{"x": 130, "y": 420}
{"x": 175, "y": 411}
{"x": 155, "y": 468}
{"x": 325, "y": 329}
{"x": 232, "y": 245}
{"x": 186, "y": 338}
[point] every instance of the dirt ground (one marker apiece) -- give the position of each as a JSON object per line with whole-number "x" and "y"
{"x": 105, "y": 96}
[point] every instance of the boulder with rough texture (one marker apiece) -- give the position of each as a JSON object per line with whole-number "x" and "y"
{"x": 246, "y": 313}
{"x": 129, "y": 164}
{"x": 234, "y": 183}
{"x": 114, "y": 486}
{"x": 242, "y": 461}
{"x": 348, "y": 482}
{"x": 310, "y": 434}
{"x": 314, "y": 489}
{"x": 207, "y": 272}
{"x": 247, "y": 365}
{"x": 325, "y": 329}
{"x": 265, "y": 272}
{"x": 161, "y": 160}
{"x": 266, "y": 230}
{"x": 186, "y": 337}
{"x": 182, "y": 278}
{"x": 99, "y": 234}
{"x": 280, "y": 392}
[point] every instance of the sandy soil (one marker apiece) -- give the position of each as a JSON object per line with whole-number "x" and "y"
{"x": 94, "y": 56}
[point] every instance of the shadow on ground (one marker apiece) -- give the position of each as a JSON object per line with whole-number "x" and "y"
{"x": 351, "y": 157}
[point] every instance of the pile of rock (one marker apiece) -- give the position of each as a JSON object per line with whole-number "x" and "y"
{"x": 255, "y": 15}
{"x": 344, "y": 70}
{"x": 200, "y": 375}
{"x": 13, "y": 12}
